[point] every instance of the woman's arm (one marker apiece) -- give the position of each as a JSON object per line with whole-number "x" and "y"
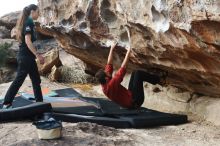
{"x": 32, "y": 48}
{"x": 110, "y": 56}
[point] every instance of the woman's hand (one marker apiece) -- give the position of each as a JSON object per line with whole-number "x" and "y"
{"x": 33, "y": 49}
{"x": 40, "y": 58}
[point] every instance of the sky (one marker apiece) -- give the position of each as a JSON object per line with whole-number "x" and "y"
{"x": 7, "y": 6}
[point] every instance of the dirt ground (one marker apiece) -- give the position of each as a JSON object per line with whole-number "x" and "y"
{"x": 199, "y": 133}
{"x": 83, "y": 134}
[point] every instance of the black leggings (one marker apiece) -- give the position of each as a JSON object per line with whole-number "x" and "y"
{"x": 26, "y": 66}
{"x": 136, "y": 85}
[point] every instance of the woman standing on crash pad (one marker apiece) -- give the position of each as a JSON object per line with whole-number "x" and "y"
{"x": 25, "y": 34}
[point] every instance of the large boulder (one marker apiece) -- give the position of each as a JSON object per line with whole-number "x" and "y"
{"x": 10, "y": 20}
{"x": 51, "y": 59}
{"x": 55, "y": 74}
{"x": 8, "y": 23}
{"x": 181, "y": 37}
{"x": 73, "y": 70}
{"x": 9, "y": 49}
{"x": 50, "y": 50}
{"x": 4, "y": 32}
{"x": 7, "y": 74}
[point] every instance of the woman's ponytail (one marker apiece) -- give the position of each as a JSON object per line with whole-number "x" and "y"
{"x": 20, "y": 23}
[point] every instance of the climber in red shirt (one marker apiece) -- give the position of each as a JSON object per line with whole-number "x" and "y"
{"x": 131, "y": 98}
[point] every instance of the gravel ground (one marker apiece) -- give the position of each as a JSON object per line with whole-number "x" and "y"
{"x": 197, "y": 133}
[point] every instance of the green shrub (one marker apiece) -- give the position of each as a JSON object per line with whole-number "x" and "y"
{"x": 4, "y": 52}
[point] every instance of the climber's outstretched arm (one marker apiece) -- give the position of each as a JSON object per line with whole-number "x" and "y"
{"x": 110, "y": 56}
{"x": 125, "y": 61}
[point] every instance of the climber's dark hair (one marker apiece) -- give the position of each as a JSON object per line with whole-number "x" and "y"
{"x": 20, "y": 23}
{"x": 101, "y": 75}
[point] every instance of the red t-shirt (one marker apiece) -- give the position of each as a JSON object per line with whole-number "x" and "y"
{"x": 114, "y": 90}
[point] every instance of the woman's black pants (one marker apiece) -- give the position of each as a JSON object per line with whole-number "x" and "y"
{"x": 26, "y": 66}
{"x": 136, "y": 85}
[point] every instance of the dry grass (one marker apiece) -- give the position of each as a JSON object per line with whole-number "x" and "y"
{"x": 74, "y": 75}
{"x": 84, "y": 87}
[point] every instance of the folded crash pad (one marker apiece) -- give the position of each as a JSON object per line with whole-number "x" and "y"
{"x": 23, "y": 109}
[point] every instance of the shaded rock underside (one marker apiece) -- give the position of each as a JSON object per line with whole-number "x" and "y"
{"x": 181, "y": 37}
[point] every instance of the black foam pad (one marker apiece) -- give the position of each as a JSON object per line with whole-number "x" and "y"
{"x": 18, "y": 102}
{"x": 150, "y": 118}
{"x": 106, "y": 121}
{"x": 68, "y": 105}
{"x": 142, "y": 120}
{"x": 23, "y": 109}
{"x": 110, "y": 108}
{"x": 68, "y": 92}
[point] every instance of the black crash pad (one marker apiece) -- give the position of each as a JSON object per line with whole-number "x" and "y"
{"x": 106, "y": 121}
{"x": 142, "y": 120}
{"x": 110, "y": 114}
{"x": 67, "y": 105}
{"x": 23, "y": 109}
{"x": 150, "y": 118}
{"x": 70, "y": 104}
{"x": 46, "y": 92}
{"x": 115, "y": 116}
{"x": 108, "y": 107}
{"x": 105, "y": 112}
{"x": 68, "y": 92}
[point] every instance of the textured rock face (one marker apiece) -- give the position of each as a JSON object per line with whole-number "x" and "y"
{"x": 181, "y": 37}
{"x": 8, "y": 51}
{"x": 4, "y": 32}
{"x": 11, "y": 52}
{"x": 9, "y": 20}
{"x": 51, "y": 60}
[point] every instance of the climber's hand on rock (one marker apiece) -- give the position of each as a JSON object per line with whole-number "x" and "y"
{"x": 128, "y": 49}
{"x": 114, "y": 44}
